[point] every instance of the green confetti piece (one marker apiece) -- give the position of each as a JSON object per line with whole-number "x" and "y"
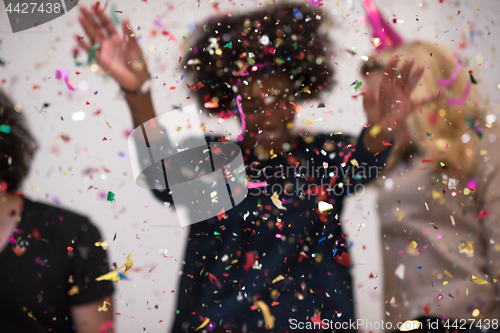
{"x": 184, "y": 37}
{"x": 216, "y": 233}
{"x": 62, "y": 118}
{"x": 114, "y": 17}
{"x": 295, "y": 46}
{"x": 230, "y": 44}
{"x": 472, "y": 80}
{"x": 5, "y": 129}
{"x": 429, "y": 134}
{"x": 177, "y": 312}
{"x": 442, "y": 164}
{"x": 358, "y": 85}
{"x": 111, "y": 196}
{"x": 91, "y": 55}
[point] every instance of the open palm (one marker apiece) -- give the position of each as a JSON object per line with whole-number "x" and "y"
{"x": 391, "y": 103}
{"x": 120, "y": 57}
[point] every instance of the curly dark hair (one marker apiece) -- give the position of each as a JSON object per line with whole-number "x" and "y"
{"x": 282, "y": 39}
{"x": 17, "y": 145}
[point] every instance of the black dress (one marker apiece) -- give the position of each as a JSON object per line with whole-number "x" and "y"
{"x": 52, "y": 266}
{"x": 293, "y": 260}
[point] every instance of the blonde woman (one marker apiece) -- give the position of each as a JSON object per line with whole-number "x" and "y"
{"x": 440, "y": 199}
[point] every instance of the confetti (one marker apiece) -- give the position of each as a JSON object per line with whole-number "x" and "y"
{"x": 268, "y": 318}
{"x": 479, "y": 281}
{"x": 103, "y": 307}
{"x": 277, "y": 202}
{"x": 324, "y": 206}
{"x": 111, "y": 196}
{"x": 63, "y": 74}
{"x": 460, "y": 100}
{"x": 453, "y": 76}
{"x": 256, "y": 184}
{"x": 242, "y": 117}
{"x": 467, "y": 248}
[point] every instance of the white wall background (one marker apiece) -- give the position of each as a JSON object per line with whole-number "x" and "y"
{"x": 32, "y": 57}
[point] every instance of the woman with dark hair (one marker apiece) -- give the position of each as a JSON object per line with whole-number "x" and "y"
{"x": 48, "y": 257}
{"x": 269, "y": 263}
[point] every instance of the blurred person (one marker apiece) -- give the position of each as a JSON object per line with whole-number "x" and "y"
{"x": 48, "y": 257}
{"x": 440, "y": 198}
{"x": 267, "y": 265}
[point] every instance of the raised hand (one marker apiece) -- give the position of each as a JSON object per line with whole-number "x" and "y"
{"x": 120, "y": 57}
{"x": 390, "y": 103}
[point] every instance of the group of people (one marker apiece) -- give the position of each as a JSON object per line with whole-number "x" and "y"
{"x": 283, "y": 265}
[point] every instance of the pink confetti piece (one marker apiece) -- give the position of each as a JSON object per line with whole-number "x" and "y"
{"x": 12, "y": 239}
{"x": 242, "y": 116}
{"x": 40, "y": 261}
{"x": 315, "y": 3}
{"x": 460, "y": 100}
{"x": 159, "y": 24}
{"x": 63, "y": 74}
{"x": 453, "y": 76}
{"x": 256, "y": 184}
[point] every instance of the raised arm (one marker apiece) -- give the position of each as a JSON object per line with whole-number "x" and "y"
{"x": 121, "y": 58}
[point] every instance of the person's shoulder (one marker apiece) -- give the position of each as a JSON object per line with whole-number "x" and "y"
{"x": 58, "y": 221}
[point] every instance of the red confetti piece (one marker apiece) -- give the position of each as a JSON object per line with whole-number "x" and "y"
{"x": 212, "y": 278}
{"x": 104, "y": 139}
{"x": 250, "y": 256}
{"x": 70, "y": 248}
{"x": 386, "y": 143}
{"x": 483, "y": 214}
{"x": 195, "y": 86}
{"x": 221, "y": 214}
{"x": 344, "y": 259}
{"x": 427, "y": 161}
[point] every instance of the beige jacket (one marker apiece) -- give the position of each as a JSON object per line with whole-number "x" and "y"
{"x": 436, "y": 238}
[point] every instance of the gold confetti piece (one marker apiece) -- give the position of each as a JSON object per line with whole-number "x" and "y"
{"x": 467, "y": 248}
{"x": 73, "y": 291}
{"x": 400, "y": 216}
{"x": 445, "y": 283}
{"x": 204, "y": 127}
{"x": 475, "y": 313}
{"x": 64, "y": 173}
{"x": 268, "y": 318}
{"x": 436, "y": 194}
{"x": 410, "y": 325}
{"x": 128, "y": 263}
{"x": 178, "y": 128}
{"x": 324, "y": 206}
{"x": 205, "y": 323}
{"x": 111, "y": 276}
{"x": 278, "y": 278}
{"x": 448, "y": 273}
{"x": 277, "y": 202}
{"x": 413, "y": 244}
{"x": 354, "y": 162}
{"x": 477, "y": 280}
{"x": 308, "y": 122}
{"x": 375, "y": 130}
{"x": 103, "y": 307}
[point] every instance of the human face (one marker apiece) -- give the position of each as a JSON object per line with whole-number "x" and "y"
{"x": 268, "y": 113}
